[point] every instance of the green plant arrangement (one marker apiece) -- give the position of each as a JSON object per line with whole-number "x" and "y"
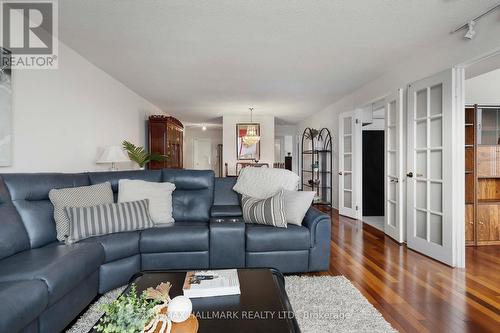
{"x": 140, "y": 155}
{"x": 129, "y": 313}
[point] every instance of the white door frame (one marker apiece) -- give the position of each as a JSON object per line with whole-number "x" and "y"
{"x": 459, "y": 194}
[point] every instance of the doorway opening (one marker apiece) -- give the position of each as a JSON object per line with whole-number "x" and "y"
{"x": 482, "y": 153}
{"x": 373, "y": 164}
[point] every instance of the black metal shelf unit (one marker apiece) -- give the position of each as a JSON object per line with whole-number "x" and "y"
{"x": 317, "y": 164}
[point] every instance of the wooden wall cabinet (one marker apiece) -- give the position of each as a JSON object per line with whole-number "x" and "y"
{"x": 166, "y": 137}
{"x": 488, "y": 226}
{"x": 482, "y": 176}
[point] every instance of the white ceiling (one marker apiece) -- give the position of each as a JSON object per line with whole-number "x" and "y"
{"x": 198, "y": 59}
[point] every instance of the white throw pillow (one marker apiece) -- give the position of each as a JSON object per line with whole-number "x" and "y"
{"x": 262, "y": 183}
{"x": 158, "y": 194}
{"x": 296, "y": 205}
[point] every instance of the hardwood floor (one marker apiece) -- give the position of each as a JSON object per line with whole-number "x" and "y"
{"x": 413, "y": 292}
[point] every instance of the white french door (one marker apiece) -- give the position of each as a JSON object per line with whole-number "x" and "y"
{"x": 347, "y": 166}
{"x": 432, "y": 176}
{"x": 394, "y": 163}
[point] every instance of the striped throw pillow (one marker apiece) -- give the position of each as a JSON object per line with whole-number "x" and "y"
{"x": 268, "y": 211}
{"x": 85, "y": 222}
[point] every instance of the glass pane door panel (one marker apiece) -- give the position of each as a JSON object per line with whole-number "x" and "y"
{"x": 421, "y": 224}
{"x": 436, "y": 132}
{"x": 421, "y": 134}
{"x": 392, "y": 136}
{"x": 436, "y": 229}
{"x": 421, "y": 164}
{"x": 421, "y": 195}
{"x": 436, "y": 164}
{"x": 391, "y": 191}
{"x": 347, "y": 162}
{"x": 436, "y": 100}
{"x": 436, "y": 191}
{"x": 391, "y": 163}
{"x": 347, "y": 144}
{"x": 391, "y": 210}
{"x": 421, "y": 103}
{"x": 348, "y": 125}
{"x": 392, "y": 114}
{"x": 347, "y": 181}
{"x": 347, "y": 199}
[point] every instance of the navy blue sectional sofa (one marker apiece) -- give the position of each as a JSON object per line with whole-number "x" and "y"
{"x": 45, "y": 284}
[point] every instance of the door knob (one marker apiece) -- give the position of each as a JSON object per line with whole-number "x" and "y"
{"x": 409, "y": 174}
{"x": 340, "y": 173}
{"x": 394, "y": 180}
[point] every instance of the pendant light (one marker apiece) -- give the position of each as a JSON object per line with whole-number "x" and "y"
{"x": 251, "y": 137}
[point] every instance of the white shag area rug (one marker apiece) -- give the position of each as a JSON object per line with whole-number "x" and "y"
{"x": 320, "y": 303}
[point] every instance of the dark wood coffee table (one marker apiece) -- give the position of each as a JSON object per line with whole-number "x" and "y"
{"x": 263, "y": 305}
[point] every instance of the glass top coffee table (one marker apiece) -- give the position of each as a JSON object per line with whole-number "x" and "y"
{"x": 263, "y": 305}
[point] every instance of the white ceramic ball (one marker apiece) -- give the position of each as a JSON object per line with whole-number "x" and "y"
{"x": 179, "y": 309}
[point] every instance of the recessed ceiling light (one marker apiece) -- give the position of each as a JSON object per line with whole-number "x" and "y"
{"x": 204, "y": 128}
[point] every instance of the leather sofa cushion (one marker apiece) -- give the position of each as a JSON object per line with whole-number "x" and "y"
{"x": 224, "y": 194}
{"x": 61, "y": 267}
{"x": 13, "y": 236}
{"x": 226, "y": 211}
{"x": 30, "y": 195}
{"x": 117, "y": 246}
{"x": 179, "y": 237}
{"x": 22, "y": 302}
{"x": 193, "y": 195}
{"x": 261, "y": 238}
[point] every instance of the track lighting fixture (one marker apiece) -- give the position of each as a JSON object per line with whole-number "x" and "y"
{"x": 469, "y": 25}
{"x": 470, "y": 31}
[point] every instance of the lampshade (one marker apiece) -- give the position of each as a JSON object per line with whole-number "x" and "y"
{"x": 112, "y": 154}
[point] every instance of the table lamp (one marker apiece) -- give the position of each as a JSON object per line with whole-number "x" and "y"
{"x": 113, "y": 155}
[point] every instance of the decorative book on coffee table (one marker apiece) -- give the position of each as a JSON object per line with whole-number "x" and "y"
{"x": 211, "y": 283}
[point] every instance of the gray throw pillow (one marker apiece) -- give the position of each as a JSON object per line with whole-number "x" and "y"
{"x": 268, "y": 211}
{"x": 85, "y": 222}
{"x": 77, "y": 197}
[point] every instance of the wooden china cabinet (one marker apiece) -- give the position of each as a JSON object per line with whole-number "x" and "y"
{"x": 482, "y": 175}
{"x": 166, "y": 136}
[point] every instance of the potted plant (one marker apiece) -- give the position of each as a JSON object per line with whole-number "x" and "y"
{"x": 129, "y": 313}
{"x": 140, "y": 156}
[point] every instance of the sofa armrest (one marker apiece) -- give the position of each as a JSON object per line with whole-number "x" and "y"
{"x": 226, "y": 211}
{"x": 312, "y": 220}
{"x": 320, "y": 228}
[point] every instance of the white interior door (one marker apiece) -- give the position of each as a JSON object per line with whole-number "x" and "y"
{"x": 202, "y": 154}
{"x": 394, "y": 163}
{"x": 347, "y": 175}
{"x": 432, "y": 176}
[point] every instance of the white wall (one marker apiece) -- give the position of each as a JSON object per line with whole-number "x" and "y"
{"x": 190, "y": 133}
{"x": 440, "y": 55}
{"x": 63, "y": 118}
{"x": 229, "y": 138}
{"x": 483, "y": 89}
